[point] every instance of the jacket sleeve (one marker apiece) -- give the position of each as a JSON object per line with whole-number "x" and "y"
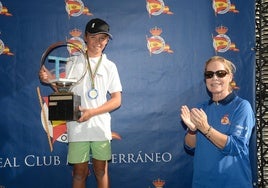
{"x": 242, "y": 124}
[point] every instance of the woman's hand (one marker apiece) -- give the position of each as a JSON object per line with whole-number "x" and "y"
{"x": 199, "y": 118}
{"x": 186, "y": 117}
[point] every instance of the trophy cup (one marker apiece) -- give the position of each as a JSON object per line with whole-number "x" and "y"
{"x": 66, "y": 69}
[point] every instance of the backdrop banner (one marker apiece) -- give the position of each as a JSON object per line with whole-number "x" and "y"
{"x": 159, "y": 47}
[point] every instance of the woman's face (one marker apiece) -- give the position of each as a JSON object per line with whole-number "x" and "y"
{"x": 96, "y": 43}
{"x": 218, "y": 84}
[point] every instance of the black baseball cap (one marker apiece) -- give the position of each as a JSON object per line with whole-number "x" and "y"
{"x": 96, "y": 26}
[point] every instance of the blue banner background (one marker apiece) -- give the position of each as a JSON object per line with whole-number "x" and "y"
{"x": 154, "y": 85}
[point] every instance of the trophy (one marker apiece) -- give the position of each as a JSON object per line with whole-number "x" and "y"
{"x": 67, "y": 67}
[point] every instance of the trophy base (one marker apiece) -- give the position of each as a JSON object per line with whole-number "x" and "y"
{"x": 64, "y": 106}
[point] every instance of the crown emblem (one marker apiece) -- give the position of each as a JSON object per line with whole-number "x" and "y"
{"x": 156, "y": 31}
{"x": 222, "y": 30}
{"x": 75, "y": 32}
{"x": 159, "y": 183}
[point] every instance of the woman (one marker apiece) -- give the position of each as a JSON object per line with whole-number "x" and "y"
{"x": 219, "y": 131}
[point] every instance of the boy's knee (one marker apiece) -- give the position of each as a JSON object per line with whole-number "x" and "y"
{"x": 81, "y": 174}
{"x": 99, "y": 173}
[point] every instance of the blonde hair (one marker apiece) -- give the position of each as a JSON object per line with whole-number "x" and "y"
{"x": 229, "y": 66}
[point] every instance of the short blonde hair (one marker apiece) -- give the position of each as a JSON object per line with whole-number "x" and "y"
{"x": 229, "y": 66}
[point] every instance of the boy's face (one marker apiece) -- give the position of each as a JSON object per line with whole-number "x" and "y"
{"x": 96, "y": 43}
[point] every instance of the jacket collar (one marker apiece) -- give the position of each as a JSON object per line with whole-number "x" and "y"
{"x": 224, "y": 101}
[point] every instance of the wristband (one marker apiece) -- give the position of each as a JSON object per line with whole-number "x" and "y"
{"x": 189, "y": 131}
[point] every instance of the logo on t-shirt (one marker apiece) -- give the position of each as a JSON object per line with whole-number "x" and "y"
{"x": 225, "y": 120}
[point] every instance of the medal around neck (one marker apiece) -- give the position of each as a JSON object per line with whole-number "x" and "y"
{"x": 93, "y": 93}
{"x": 65, "y": 65}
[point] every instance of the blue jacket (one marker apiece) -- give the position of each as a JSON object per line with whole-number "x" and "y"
{"x": 228, "y": 167}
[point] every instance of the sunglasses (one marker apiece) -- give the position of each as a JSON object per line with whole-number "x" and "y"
{"x": 219, "y": 74}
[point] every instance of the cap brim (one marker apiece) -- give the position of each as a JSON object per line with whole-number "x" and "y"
{"x": 110, "y": 36}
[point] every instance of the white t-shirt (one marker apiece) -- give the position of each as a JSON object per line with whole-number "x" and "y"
{"x": 97, "y": 128}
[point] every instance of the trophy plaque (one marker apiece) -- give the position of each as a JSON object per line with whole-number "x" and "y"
{"x": 66, "y": 68}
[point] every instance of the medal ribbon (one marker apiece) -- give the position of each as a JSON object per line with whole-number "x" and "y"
{"x": 93, "y": 73}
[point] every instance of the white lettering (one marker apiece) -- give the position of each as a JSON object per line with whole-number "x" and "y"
{"x": 166, "y": 157}
{"x": 151, "y": 158}
{"x": 141, "y": 157}
{"x": 121, "y": 158}
{"x": 32, "y": 160}
{"x": 11, "y": 163}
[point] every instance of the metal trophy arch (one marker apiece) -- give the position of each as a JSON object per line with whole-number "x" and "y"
{"x": 66, "y": 67}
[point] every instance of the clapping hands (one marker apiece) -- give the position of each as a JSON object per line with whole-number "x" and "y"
{"x": 194, "y": 118}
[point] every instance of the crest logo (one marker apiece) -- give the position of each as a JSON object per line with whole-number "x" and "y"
{"x": 223, "y": 6}
{"x": 157, "y": 7}
{"x": 225, "y": 120}
{"x": 4, "y": 49}
{"x": 76, "y": 8}
{"x": 159, "y": 183}
{"x": 222, "y": 42}
{"x": 77, "y": 41}
{"x": 4, "y": 10}
{"x": 156, "y": 44}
